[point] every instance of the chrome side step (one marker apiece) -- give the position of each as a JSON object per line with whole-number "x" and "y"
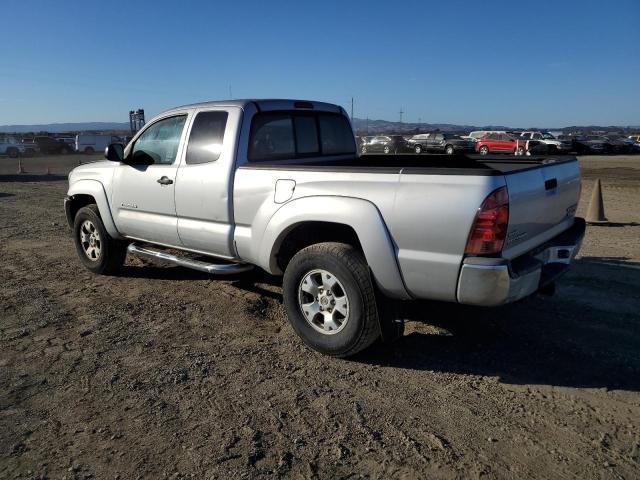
{"x": 217, "y": 269}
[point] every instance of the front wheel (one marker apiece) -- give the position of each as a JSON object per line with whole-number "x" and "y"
{"x": 484, "y": 150}
{"x": 330, "y": 300}
{"x": 418, "y": 149}
{"x": 449, "y": 150}
{"x": 386, "y": 149}
{"x": 97, "y": 250}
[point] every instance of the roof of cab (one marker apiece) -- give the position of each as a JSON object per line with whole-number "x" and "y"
{"x": 264, "y": 105}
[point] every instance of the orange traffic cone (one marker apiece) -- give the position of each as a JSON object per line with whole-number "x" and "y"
{"x": 595, "y": 212}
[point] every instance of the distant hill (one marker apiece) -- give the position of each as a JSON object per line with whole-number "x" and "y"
{"x": 385, "y": 126}
{"x": 64, "y": 127}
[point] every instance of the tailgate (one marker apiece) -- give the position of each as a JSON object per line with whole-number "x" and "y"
{"x": 542, "y": 203}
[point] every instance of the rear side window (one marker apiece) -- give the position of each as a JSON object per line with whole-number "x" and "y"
{"x": 206, "y": 138}
{"x": 287, "y": 135}
{"x": 271, "y": 136}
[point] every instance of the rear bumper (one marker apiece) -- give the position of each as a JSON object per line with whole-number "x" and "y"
{"x": 496, "y": 281}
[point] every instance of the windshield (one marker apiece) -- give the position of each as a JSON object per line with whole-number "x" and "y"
{"x": 548, "y": 136}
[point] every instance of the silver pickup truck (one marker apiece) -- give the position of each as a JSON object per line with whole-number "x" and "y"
{"x": 279, "y": 184}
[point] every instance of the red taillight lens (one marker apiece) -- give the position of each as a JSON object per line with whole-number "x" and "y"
{"x": 489, "y": 228}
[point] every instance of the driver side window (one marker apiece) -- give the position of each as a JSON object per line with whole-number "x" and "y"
{"x": 159, "y": 143}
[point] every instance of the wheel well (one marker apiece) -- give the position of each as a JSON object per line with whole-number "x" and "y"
{"x": 76, "y": 203}
{"x": 309, "y": 233}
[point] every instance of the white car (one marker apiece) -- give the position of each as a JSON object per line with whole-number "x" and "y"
{"x": 548, "y": 139}
{"x": 11, "y": 147}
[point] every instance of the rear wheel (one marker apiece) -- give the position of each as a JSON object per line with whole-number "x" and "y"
{"x": 418, "y": 149}
{"x": 449, "y": 150}
{"x": 97, "y": 250}
{"x": 386, "y": 149}
{"x": 330, "y": 300}
{"x": 484, "y": 150}
{"x": 12, "y": 152}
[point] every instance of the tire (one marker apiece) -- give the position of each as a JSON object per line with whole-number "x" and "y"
{"x": 519, "y": 151}
{"x": 418, "y": 149}
{"x": 449, "y": 150}
{"x": 13, "y": 152}
{"x": 334, "y": 272}
{"x": 103, "y": 254}
{"x": 484, "y": 150}
{"x": 89, "y": 150}
{"x": 386, "y": 149}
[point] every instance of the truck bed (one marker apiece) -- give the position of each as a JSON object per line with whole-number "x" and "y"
{"x": 419, "y": 164}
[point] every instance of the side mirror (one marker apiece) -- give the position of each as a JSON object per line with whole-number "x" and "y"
{"x": 114, "y": 152}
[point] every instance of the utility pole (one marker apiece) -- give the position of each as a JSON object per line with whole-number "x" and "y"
{"x": 401, "y": 112}
{"x": 352, "y": 109}
{"x": 367, "y": 125}
{"x": 230, "y": 94}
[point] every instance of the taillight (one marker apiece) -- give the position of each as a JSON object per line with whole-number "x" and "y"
{"x": 489, "y": 228}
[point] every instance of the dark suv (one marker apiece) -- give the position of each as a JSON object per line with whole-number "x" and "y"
{"x": 52, "y": 146}
{"x": 448, "y": 143}
{"x": 384, "y": 144}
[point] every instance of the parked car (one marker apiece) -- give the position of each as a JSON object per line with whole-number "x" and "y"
{"x": 501, "y": 143}
{"x": 94, "y": 143}
{"x": 592, "y": 144}
{"x": 49, "y": 145}
{"x": 11, "y": 147}
{"x": 68, "y": 140}
{"x": 384, "y": 144}
{"x": 448, "y": 143}
{"x": 555, "y": 144}
{"x": 278, "y": 184}
{"x": 478, "y": 134}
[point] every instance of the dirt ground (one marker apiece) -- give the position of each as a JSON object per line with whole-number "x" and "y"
{"x": 166, "y": 372}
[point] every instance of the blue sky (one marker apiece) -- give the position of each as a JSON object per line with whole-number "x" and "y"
{"x": 551, "y": 63}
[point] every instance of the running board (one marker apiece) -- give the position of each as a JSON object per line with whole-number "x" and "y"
{"x": 217, "y": 269}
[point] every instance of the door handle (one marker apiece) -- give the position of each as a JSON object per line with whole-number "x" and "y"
{"x": 551, "y": 184}
{"x": 164, "y": 180}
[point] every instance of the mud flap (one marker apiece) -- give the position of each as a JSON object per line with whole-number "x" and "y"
{"x": 389, "y": 318}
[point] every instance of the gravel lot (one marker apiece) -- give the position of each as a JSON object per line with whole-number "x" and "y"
{"x": 166, "y": 372}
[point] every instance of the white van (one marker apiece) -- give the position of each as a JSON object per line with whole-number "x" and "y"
{"x": 94, "y": 143}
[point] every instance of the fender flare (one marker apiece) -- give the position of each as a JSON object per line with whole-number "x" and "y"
{"x": 361, "y": 215}
{"x": 96, "y": 190}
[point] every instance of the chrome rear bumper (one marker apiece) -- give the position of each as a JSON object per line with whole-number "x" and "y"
{"x": 496, "y": 281}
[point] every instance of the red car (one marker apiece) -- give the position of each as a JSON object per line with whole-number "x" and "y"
{"x": 500, "y": 143}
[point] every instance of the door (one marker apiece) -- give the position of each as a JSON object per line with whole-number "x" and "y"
{"x": 143, "y": 189}
{"x": 204, "y": 203}
{"x": 436, "y": 141}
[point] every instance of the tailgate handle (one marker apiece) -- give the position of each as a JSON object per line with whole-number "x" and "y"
{"x": 550, "y": 184}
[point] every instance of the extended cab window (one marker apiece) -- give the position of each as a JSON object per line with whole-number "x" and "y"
{"x": 286, "y": 135}
{"x": 206, "y": 137}
{"x": 159, "y": 143}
